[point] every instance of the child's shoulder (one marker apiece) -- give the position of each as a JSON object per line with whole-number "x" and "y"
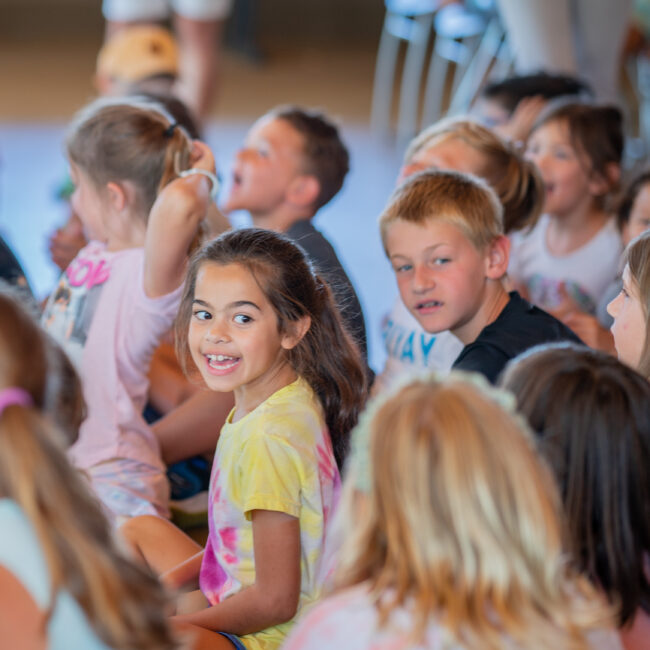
{"x": 296, "y": 401}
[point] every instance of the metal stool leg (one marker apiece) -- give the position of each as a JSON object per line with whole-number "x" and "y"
{"x": 412, "y": 77}
{"x": 382, "y": 92}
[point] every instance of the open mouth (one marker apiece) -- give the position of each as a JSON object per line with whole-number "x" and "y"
{"x": 222, "y": 362}
{"x": 429, "y": 305}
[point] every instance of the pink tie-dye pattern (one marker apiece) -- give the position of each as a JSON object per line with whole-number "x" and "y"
{"x": 213, "y": 580}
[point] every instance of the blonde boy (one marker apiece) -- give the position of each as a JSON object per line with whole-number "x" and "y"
{"x": 443, "y": 234}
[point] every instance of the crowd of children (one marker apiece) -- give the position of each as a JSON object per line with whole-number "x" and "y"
{"x": 494, "y": 492}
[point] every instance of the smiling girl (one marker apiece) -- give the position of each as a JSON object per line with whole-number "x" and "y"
{"x": 259, "y": 322}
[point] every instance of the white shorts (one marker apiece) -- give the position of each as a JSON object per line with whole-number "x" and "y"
{"x": 136, "y": 10}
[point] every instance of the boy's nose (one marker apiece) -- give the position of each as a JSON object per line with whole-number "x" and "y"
{"x": 422, "y": 279}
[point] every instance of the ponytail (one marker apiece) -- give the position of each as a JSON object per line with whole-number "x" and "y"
{"x": 129, "y": 140}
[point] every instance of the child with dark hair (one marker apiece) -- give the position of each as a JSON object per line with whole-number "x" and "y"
{"x": 575, "y": 247}
{"x": 592, "y": 416}
{"x": 292, "y": 163}
{"x": 511, "y": 106}
{"x": 632, "y": 218}
{"x": 257, "y": 320}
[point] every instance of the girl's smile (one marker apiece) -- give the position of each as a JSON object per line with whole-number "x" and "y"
{"x": 234, "y": 336}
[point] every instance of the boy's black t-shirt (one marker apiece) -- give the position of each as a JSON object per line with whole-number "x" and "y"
{"x": 519, "y": 326}
{"x": 324, "y": 258}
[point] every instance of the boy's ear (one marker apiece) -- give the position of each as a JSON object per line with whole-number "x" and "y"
{"x": 498, "y": 256}
{"x": 295, "y": 332}
{"x": 303, "y": 190}
{"x": 600, "y": 184}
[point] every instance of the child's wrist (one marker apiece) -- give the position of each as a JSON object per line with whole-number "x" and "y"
{"x": 214, "y": 180}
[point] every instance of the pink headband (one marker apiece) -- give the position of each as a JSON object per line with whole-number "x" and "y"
{"x": 13, "y": 395}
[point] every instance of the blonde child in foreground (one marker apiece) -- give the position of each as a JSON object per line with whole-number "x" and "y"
{"x": 451, "y": 543}
{"x": 63, "y": 583}
{"x": 258, "y": 321}
{"x": 120, "y": 294}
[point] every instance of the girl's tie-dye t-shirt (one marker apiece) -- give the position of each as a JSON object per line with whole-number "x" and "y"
{"x": 278, "y": 457}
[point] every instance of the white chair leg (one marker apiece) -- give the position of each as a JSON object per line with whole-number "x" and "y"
{"x": 412, "y": 77}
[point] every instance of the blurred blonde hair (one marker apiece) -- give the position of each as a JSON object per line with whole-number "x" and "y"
{"x": 123, "y": 603}
{"x": 515, "y": 179}
{"x": 637, "y": 257}
{"x": 462, "y": 524}
{"x": 465, "y": 201}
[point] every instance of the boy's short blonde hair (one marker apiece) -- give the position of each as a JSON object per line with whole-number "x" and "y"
{"x": 465, "y": 201}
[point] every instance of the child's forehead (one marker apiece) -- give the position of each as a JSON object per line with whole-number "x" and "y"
{"x": 224, "y": 283}
{"x": 431, "y": 231}
{"x": 554, "y": 129}
{"x": 277, "y": 132}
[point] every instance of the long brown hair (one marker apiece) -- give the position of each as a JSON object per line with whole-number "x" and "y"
{"x": 326, "y": 357}
{"x": 129, "y": 140}
{"x": 461, "y": 524}
{"x": 123, "y": 603}
{"x": 592, "y": 414}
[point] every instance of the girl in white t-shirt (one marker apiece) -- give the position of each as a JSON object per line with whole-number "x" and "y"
{"x": 574, "y": 250}
{"x": 141, "y": 204}
{"x": 449, "y": 542}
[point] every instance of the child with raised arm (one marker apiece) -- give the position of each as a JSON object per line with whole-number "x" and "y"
{"x": 443, "y": 234}
{"x": 120, "y": 294}
{"x": 448, "y": 541}
{"x": 575, "y": 247}
{"x": 294, "y": 162}
{"x": 260, "y": 322}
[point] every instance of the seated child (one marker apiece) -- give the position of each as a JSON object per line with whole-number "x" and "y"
{"x": 575, "y": 246}
{"x": 120, "y": 294}
{"x": 630, "y": 308}
{"x": 592, "y": 416}
{"x": 633, "y": 218}
{"x": 510, "y": 106}
{"x": 256, "y": 320}
{"x": 443, "y": 234}
{"x": 63, "y": 581}
{"x": 463, "y": 146}
{"x": 449, "y": 541}
{"x": 293, "y": 162}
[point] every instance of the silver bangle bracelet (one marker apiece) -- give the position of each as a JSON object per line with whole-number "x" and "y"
{"x": 204, "y": 172}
